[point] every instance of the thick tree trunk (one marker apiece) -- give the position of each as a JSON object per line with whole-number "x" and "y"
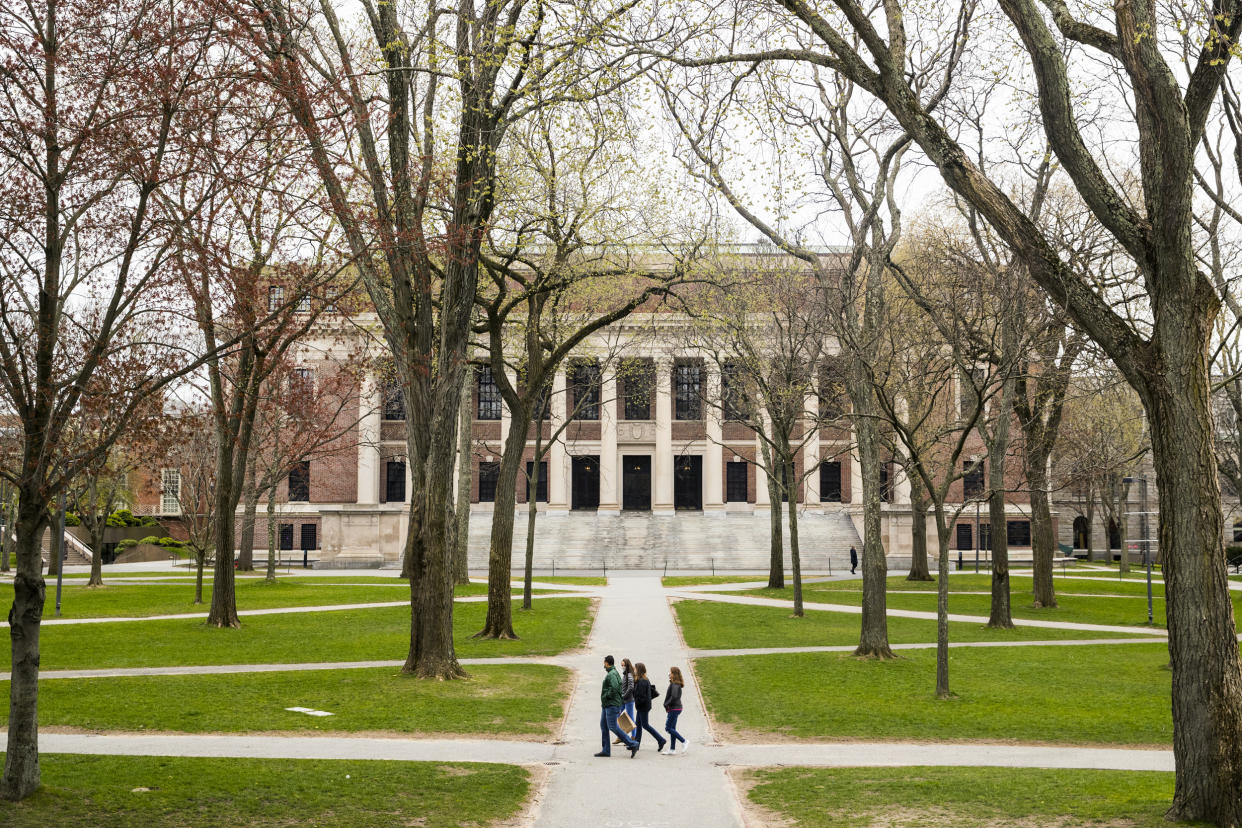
{"x": 942, "y": 604}
{"x": 1091, "y": 529}
{"x": 21, "y": 760}
{"x": 1203, "y": 648}
{"x": 250, "y": 507}
{"x": 873, "y": 636}
{"x": 1043, "y": 542}
{"x": 919, "y": 570}
{"x": 223, "y": 612}
{"x": 532, "y": 509}
{"x": 6, "y": 537}
{"x": 97, "y": 542}
{"x": 465, "y": 474}
{"x": 499, "y": 620}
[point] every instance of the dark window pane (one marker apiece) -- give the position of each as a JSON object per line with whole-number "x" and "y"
{"x": 687, "y": 391}
{"x": 299, "y": 482}
{"x": 830, "y": 481}
{"x": 737, "y": 482}
{"x": 1018, "y": 532}
{"x": 310, "y": 536}
{"x": 965, "y": 537}
{"x": 637, "y": 379}
{"x": 303, "y": 304}
{"x": 394, "y": 481}
{"x": 972, "y": 481}
{"x": 394, "y": 402}
{"x": 488, "y": 473}
{"x": 489, "y": 395}
{"x": 286, "y": 536}
{"x": 541, "y": 486}
{"x": 733, "y": 392}
{"x": 584, "y": 385}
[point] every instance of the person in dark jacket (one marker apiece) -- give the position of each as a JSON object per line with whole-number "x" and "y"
{"x": 627, "y": 696}
{"x": 610, "y": 701}
{"x": 644, "y": 694}
{"x": 853, "y": 559}
{"x": 672, "y": 707}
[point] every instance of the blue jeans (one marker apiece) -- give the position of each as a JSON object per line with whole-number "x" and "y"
{"x": 629, "y": 708}
{"x": 644, "y": 723}
{"x": 607, "y": 722}
{"x": 670, "y": 727}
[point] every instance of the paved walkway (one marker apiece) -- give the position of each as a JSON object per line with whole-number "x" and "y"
{"x": 652, "y": 789}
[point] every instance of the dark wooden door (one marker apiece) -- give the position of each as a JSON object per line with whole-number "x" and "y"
{"x": 636, "y": 482}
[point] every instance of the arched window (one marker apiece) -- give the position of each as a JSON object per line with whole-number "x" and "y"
{"x": 1082, "y": 533}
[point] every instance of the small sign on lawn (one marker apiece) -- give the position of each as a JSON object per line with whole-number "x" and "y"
{"x": 308, "y": 711}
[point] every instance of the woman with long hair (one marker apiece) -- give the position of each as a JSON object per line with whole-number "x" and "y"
{"x": 672, "y": 707}
{"x": 644, "y": 694}
{"x": 627, "y": 695}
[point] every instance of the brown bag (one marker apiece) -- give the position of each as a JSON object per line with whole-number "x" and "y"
{"x": 625, "y": 722}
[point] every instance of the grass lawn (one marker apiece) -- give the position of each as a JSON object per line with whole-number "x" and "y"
{"x": 1106, "y": 602}
{"x": 1116, "y": 695}
{"x": 521, "y": 700}
{"x": 553, "y": 625}
{"x": 122, "y": 791}
{"x": 711, "y": 625}
{"x": 173, "y": 597}
{"x": 1020, "y": 586}
{"x": 984, "y": 797}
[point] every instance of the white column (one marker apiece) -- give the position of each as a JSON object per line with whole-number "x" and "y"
{"x": 558, "y": 489}
{"x": 856, "y": 491}
{"x": 608, "y": 477}
{"x": 811, "y": 455}
{"x": 662, "y": 463}
{"x": 369, "y": 442}
{"x": 713, "y": 476}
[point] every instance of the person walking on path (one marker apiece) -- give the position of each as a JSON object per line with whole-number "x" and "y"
{"x": 610, "y": 701}
{"x": 672, "y": 707}
{"x": 853, "y": 559}
{"x": 627, "y": 696}
{"x": 644, "y": 694}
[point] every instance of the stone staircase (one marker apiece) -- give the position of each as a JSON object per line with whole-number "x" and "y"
{"x": 77, "y": 553}
{"x": 684, "y": 540}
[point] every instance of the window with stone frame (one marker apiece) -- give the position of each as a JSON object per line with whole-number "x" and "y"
{"x": 170, "y": 491}
{"x": 275, "y": 297}
{"x": 394, "y": 401}
{"x": 637, "y": 381}
{"x": 584, "y": 389}
{"x": 489, "y": 473}
{"x": 302, "y": 385}
{"x": 830, "y": 481}
{"x": 394, "y": 481}
{"x": 303, "y": 305}
{"x": 737, "y": 481}
{"x": 832, "y": 391}
{"x": 488, "y": 393}
{"x": 299, "y": 482}
{"x": 1018, "y": 532}
{"x": 972, "y": 479}
{"x": 733, "y": 402}
{"x": 687, "y": 389}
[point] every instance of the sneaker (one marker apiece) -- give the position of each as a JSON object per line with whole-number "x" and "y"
{"x": 604, "y": 755}
{"x": 661, "y": 747}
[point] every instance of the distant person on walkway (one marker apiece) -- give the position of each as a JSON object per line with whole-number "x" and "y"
{"x": 644, "y": 694}
{"x": 853, "y": 559}
{"x": 672, "y": 707}
{"x": 610, "y": 701}
{"x": 627, "y": 696}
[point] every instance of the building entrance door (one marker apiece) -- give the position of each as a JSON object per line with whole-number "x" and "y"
{"x": 688, "y": 482}
{"x": 636, "y": 482}
{"x": 585, "y": 482}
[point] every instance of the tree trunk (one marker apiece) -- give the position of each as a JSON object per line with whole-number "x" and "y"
{"x": 97, "y": 541}
{"x": 776, "y": 540}
{"x": 199, "y": 555}
{"x": 9, "y": 512}
{"x": 245, "y": 551}
{"x": 1119, "y": 511}
{"x": 21, "y": 761}
{"x": 873, "y": 635}
{"x": 794, "y": 557}
{"x": 499, "y": 621}
{"x": 1091, "y": 529}
{"x": 271, "y": 535}
{"x": 223, "y": 612}
{"x": 465, "y": 473}
{"x": 532, "y": 508}
{"x": 919, "y": 570}
{"x": 942, "y": 604}
{"x": 1000, "y": 616}
{"x": 1203, "y": 648}
{"x": 1043, "y": 543}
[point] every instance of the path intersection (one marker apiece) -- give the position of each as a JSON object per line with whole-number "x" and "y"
{"x": 635, "y": 620}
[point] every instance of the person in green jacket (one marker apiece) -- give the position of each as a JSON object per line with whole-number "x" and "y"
{"x": 610, "y": 701}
